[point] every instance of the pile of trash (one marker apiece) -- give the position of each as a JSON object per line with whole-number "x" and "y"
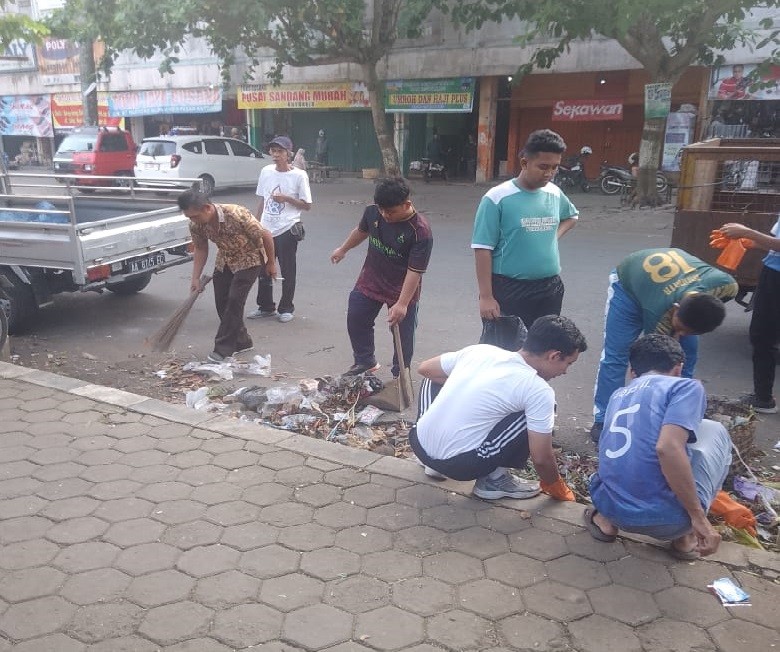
{"x": 324, "y": 408}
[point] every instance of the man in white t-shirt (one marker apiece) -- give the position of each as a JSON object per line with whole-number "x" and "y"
{"x": 284, "y": 192}
{"x": 483, "y": 409}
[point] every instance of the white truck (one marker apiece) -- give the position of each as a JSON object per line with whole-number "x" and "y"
{"x": 52, "y": 242}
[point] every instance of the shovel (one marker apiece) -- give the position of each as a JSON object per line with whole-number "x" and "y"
{"x": 397, "y": 395}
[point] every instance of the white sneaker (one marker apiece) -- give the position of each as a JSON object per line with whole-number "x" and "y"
{"x": 505, "y": 486}
{"x": 260, "y": 314}
{"x": 284, "y": 317}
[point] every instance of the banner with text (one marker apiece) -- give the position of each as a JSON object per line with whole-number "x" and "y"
{"x": 346, "y": 95}
{"x": 430, "y": 95}
{"x": 67, "y": 110}
{"x": 58, "y": 60}
{"x": 26, "y": 115}
{"x": 658, "y": 100}
{"x": 745, "y": 81}
{"x": 166, "y": 101}
{"x": 587, "y": 110}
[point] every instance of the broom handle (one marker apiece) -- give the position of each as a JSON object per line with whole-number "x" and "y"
{"x": 205, "y": 279}
{"x": 403, "y": 373}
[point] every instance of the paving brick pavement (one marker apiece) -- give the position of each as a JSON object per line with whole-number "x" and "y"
{"x": 131, "y": 525}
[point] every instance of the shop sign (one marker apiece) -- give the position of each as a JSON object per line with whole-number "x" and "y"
{"x": 26, "y": 115}
{"x": 166, "y": 100}
{"x": 745, "y": 81}
{"x": 58, "y": 60}
{"x": 430, "y": 95}
{"x": 658, "y": 100}
{"x": 67, "y": 110}
{"x": 19, "y": 56}
{"x": 587, "y": 110}
{"x": 346, "y": 95}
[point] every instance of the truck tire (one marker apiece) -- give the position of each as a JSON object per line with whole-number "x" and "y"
{"x": 131, "y": 285}
{"x": 127, "y": 180}
{"x": 23, "y": 308}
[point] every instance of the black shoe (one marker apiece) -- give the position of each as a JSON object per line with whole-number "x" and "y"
{"x": 595, "y": 432}
{"x": 357, "y": 369}
{"x": 763, "y": 405}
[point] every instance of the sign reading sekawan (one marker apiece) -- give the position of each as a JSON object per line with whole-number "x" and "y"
{"x": 587, "y": 110}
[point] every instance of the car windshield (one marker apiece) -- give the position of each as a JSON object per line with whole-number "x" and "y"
{"x": 78, "y": 143}
{"x": 157, "y": 148}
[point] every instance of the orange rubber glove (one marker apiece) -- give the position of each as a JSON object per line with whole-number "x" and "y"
{"x": 733, "y": 513}
{"x": 558, "y": 490}
{"x": 732, "y": 255}
{"x": 747, "y": 243}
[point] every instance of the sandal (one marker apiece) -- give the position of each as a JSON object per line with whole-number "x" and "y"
{"x": 595, "y": 531}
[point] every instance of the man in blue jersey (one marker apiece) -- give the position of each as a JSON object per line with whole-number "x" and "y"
{"x": 660, "y": 463}
{"x": 516, "y": 232}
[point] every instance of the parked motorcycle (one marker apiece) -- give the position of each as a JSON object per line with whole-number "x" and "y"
{"x": 429, "y": 170}
{"x": 571, "y": 173}
{"x": 614, "y": 179}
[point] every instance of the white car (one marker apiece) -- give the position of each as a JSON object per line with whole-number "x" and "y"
{"x": 218, "y": 162}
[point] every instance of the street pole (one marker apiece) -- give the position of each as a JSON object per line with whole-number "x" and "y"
{"x": 88, "y": 78}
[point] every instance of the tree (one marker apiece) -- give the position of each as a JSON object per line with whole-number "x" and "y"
{"x": 18, "y": 27}
{"x": 664, "y": 36}
{"x": 298, "y": 32}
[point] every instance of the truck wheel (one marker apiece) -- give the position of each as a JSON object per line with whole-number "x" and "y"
{"x": 23, "y": 308}
{"x": 207, "y": 185}
{"x": 131, "y": 285}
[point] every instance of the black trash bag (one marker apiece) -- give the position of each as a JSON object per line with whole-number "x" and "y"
{"x": 508, "y": 332}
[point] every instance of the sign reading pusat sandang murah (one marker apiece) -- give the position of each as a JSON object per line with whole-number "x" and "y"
{"x": 454, "y": 95}
{"x": 337, "y": 95}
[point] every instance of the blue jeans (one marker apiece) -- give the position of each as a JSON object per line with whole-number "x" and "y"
{"x": 622, "y": 327}
{"x": 710, "y": 461}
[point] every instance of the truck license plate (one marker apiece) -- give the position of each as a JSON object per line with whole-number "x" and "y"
{"x": 146, "y": 262}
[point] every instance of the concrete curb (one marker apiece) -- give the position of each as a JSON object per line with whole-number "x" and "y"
{"x": 730, "y": 554}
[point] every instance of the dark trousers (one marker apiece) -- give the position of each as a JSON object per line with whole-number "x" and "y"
{"x": 528, "y": 299}
{"x": 230, "y": 293}
{"x": 505, "y": 446}
{"x": 765, "y": 332}
{"x": 361, "y": 315}
{"x": 286, "y": 248}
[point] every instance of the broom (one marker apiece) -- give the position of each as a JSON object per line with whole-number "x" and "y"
{"x": 163, "y": 338}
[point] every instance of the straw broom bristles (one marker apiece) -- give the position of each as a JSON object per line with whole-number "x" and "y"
{"x": 163, "y": 338}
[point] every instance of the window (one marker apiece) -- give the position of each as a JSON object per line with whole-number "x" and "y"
{"x": 113, "y": 143}
{"x": 195, "y": 148}
{"x": 242, "y": 149}
{"x": 216, "y": 147}
{"x": 157, "y": 148}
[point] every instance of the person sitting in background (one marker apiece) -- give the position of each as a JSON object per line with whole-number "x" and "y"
{"x": 661, "y": 464}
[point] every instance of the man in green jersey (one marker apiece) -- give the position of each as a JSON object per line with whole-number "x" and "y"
{"x": 665, "y": 291}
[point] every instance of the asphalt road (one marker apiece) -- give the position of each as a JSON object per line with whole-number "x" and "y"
{"x": 107, "y": 330}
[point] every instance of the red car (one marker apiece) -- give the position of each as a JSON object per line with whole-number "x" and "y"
{"x": 97, "y": 151}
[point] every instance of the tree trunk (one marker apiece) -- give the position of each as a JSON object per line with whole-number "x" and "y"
{"x": 384, "y": 135}
{"x": 87, "y": 76}
{"x": 649, "y": 157}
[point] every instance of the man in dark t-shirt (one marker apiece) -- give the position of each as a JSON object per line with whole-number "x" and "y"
{"x": 399, "y": 247}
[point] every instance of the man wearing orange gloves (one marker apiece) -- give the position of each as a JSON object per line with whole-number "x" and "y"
{"x": 661, "y": 464}
{"x": 765, "y": 319}
{"x": 483, "y": 409}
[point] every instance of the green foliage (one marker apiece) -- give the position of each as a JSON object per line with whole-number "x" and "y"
{"x": 665, "y": 36}
{"x": 18, "y": 27}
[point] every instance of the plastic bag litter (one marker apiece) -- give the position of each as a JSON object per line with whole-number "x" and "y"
{"x": 750, "y": 490}
{"x": 260, "y": 366}
{"x": 309, "y": 385}
{"x": 369, "y": 415}
{"x": 283, "y": 394}
{"x": 293, "y": 421}
{"x": 198, "y": 399}
{"x": 251, "y": 398}
{"x": 221, "y": 370}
